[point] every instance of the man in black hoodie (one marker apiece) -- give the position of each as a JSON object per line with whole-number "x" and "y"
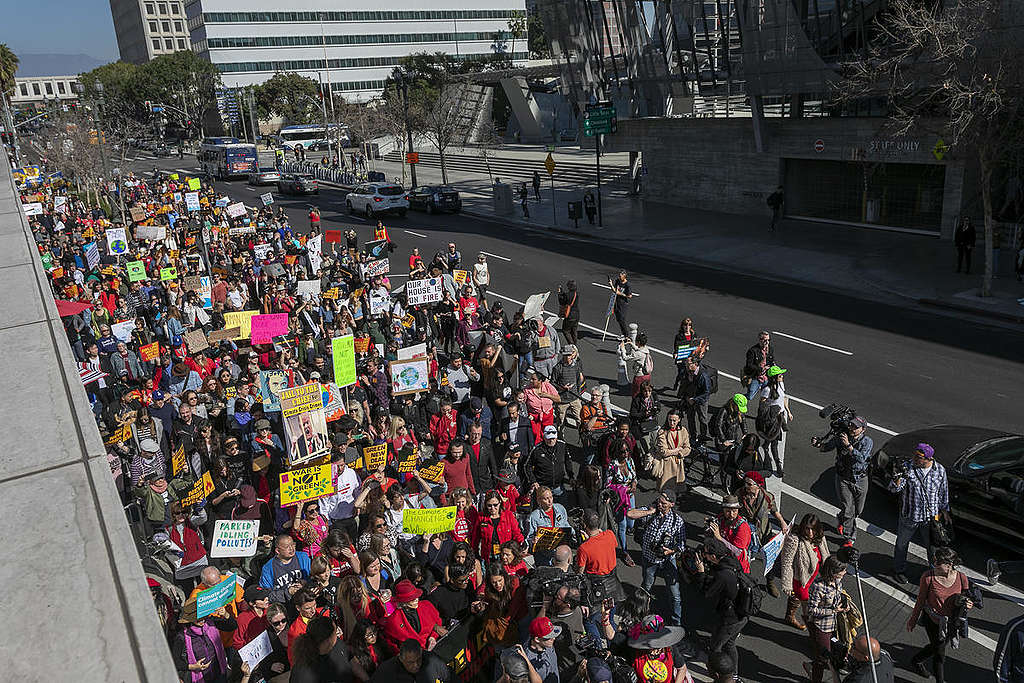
{"x": 718, "y": 577}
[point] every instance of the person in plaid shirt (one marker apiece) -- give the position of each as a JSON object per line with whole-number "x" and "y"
{"x": 924, "y": 494}
{"x": 663, "y": 538}
{"x": 825, "y": 602}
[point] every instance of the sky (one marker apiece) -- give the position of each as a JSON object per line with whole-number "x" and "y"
{"x": 59, "y": 27}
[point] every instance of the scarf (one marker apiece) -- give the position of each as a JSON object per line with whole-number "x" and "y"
{"x": 243, "y": 418}
{"x": 159, "y": 487}
{"x": 213, "y": 635}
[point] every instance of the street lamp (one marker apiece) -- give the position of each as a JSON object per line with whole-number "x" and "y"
{"x": 404, "y": 79}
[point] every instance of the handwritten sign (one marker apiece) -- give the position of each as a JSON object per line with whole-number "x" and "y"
{"x": 375, "y": 457}
{"x": 221, "y": 335}
{"x": 428, "y": 521}
{"x": 209, "y": 600}
{"x": 138, "y": 214}
{"x": 136, "y": 270}
{"x": 235, "y": 210}
{"x": 192, "y": 201}
{"x": 169, "y": 273}
{"x": 242, "y": 320}
{"x": 256, "y": 650}
{"x": 306, "y": 484}
{"x": 265, "y": 327}
{"x": 344, "y": 358}
{"x": 375, "y": 268}
{"x": 423, "y": 291}
{"x": 235, "y": 538}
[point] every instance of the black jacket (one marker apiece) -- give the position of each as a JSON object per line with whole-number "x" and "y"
{"x": 720, "y": 584}
{"x": 861, "y": 672}
{"x": 524, "y": 435}
{"x": 570, "y": 298}
{"x": 547, "y": 466}
{"x": 484, "y": 468}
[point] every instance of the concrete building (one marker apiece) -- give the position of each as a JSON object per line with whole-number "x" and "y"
{"x": 149, "y": 28}
{"x": 344, "y": 43}
{"x": 39, "y": 89}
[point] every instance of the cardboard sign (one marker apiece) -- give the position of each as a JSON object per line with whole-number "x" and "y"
{"x": 418, "y": 292}
{"x": 117, "y": 241}
{"x": 267, "y": 198}
{"x": 168, "y": 273}
{"x": 138, "y": 214}
{"x": 211, "y": 599}
{"x": 434, "y": 473}
{"x": 242, "y": 320}
{"x": 178, "y": 463}
{"x": 344, "y": 359}
{"x": 361, "y": 344}
{"x": 256, "y": 650}
{"x": 265, "y": 327}
{"x": 194, "y": 184}
{"x": 136, "y": 271}
{"x": 149, "y": 352}
{"x": 375, "y": 457}
{"x": 221, "y": 335}
{"x": 305, "y": 484}
{"x": 190, "y": 283}
{"x": 235, "y": 538}
{"x": 429, "y": 520}
{"x": 375, "y": 268}
{"x": 409, "y": 376}
{"x": 200, "y": 490}
{"x": 196, "y": 341}
{"x": 235, "y": 210}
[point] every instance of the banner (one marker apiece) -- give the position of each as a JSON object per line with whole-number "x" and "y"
{"x": 419, "y": 292}
{"x": 117, "y": 241}
{"x": 242, "y": 320}
{"x": 149, "y": 352}
{"x": 428, "y": 521}
{"x": 211, "y": 599}
{"x": 267, "y": 198}
{"x": 409, "y": 376}
{"x": 375, "y": 268}
{"x": 178, "y": 463}
{"x": 136, "y": 271}
{"x": 235, "y": 210}
{"x": 344, "y": 358}
{"x": 375, "y": 457}
{"x": 169, "y": 273}
{"x": 306, "y": 484}
{"x": 235, "y": 538}
{"x": 272, "y": 384}
{"x": 305, "y": 424}
{"x": 200, "y": 490}
{"x": 265, "y": 327}
{"x": 92, "y": 255}
{"x": 156, "y": 233}
{"x": 192, "y": 201}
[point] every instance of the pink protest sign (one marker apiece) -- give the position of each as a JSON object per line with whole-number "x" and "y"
{"x": 266, "y": 327}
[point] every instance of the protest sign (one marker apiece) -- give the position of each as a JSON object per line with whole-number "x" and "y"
{"x": 256, "y": 650}
{"x": 534, "y": 305}
{"x": 220, "y": 335}
{"x": 235, "y": 538}
{"x": 433, "y": 473}
{"x": 194, "y": 184}
{"x": 235, "y": 210}
{"x": 149, "y": 352}
{"x": 684, "y": 352}
{"x": 331, "y": 235}
{"x": 190, "y": 283}
{"x": 375, "y": 457}
{"x": 168, "y": 273}
{"x": 314, "y": 252}
{"x": 408, "y": 321}
{"x": 267, "y": 198}
{"x": 117, "y": 241}
{"x": 773, "y": 547}
{"x": 331, "y": 293}
{"x": 138, "y": 215}
{"x": 344, "y": 359}
{"x": 205, "y": 291}
{"x": 202, "y": 488}
{"x": 58, "y": 202}
{"x": 178, "y": 463}
{"x": 307, "y": 483}
{"x": 429, "y": 520}
{"x": 242, "y": 320}
{"x": 379, "y": 304}
{"x": 122, "y": 331}
{"x": 408, "y": 458}
{"x": 196, "y": 341}
{"x": 261, "y": 251}
{"x": 108, "y": 270}
{"x": 460, "y": 276}
{"x": 305, "y": 424}
{"x": 136, "y": 270}
{"x": 265, "y": 327}
{"x": 409, "y": 376}
{"x": 549, "y": 538}
{"x": 376, "y": 249}
{"x": 361, "y": 344}
{"x": 414, "y": 351}
{"x": 272, "y": 384}
{"x": 307, "y": 287}
{"x": 120, "y": 435}
{"x": 33, "y": 209}
{"x": 222, "y": 202}
{"x": 334, "y": 406}
{"x": 156, "y": 233}
{"x": 375, "y": 268}
{"x": 192, "y": 201}
{"x": 211, "y": 599}
{"x": 92, "y": 254}
{"x": 242, "y": 230}
{"x": 427, "y": 291}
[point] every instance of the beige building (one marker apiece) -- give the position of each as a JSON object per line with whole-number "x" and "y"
{"x": 149, "y": 28}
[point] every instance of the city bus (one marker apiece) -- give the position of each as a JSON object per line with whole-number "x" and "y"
{"x": 313, "y": 136}
{"x": 227, "y": 159}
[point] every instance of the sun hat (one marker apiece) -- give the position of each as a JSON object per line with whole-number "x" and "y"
{"x": 652, "y": 633}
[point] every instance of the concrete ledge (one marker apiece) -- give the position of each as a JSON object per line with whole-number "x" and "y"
{"x": 76, "y": 603}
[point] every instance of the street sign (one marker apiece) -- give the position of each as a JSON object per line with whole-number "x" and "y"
{"x": 940, "y": 149}
{"x": 599, "y": 119}
{"x": 549, "y": 164}
{"x": 412, "y": 157}
{"x": 551, "y": 148}
{"x": 819, "y": 145}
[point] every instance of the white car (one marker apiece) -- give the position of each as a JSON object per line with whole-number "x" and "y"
{"x": 373, "y": 199}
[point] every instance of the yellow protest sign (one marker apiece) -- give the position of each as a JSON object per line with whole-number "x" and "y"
{"x": 408, "y": 320}
{"x": 306, "y": 484}
{"x": 428, "y": 521}
{"x": 194, "y": 184}
{"x": 242, "y": 320}
{"x": 120, "y": 435}
{"x": 408, "y": 457}
{"x": 173, "y": 176}
{"x": 375, "y": 457}
{"x": 178, "y": 460}
{"x": 331, "y": 293}
{"x": 434, "y": 473}
{"x": 460, "y": 276}
{"x": 549, "y": 538}
{"x": 200, "y": 490}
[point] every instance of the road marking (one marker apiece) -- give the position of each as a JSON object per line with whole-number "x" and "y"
{"x": 598, "y": 284}
{"x": 503, "y": 258}
{"x": 807, "y": 341}
{"x": 414, "y": 233}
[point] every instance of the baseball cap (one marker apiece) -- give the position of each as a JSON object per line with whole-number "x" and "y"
{"x": 859, "y": 422}
{"x": 741, "y": 402}
{"x": 669, "y": 495}
{"x": 776, "y": 370}
{"x": 158, "y": 395}
{"x": 925, "y": 450}
{"x": 550, "y": 432}
{"x": 541, "y": 627}
{"x": 254, "y": 593}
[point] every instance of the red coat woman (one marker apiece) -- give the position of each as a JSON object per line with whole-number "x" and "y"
{"x": 495, "y": 526}
{"x": 398, "y": 627}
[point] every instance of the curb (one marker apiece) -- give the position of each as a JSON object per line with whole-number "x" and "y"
{"x": 999, "y": 315}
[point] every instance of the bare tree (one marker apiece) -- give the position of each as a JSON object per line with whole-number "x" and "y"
{"x": 954, "y": 67}
{"x": 488, "y": 144}
{"x": 390, "y": 110}
{"x": 439, "y": 112}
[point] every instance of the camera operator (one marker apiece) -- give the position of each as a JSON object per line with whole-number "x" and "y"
{"x": 568, "y": 616}
{"x": 718, "y": 577}
{"x": 924, "y": 495}
{"x": 663, "y": 537}
{"x": 853, "y": 449}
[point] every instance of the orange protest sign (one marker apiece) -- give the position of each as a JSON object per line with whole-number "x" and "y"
{"x": 362, "y": 344}
{"x": 149, "y": 352}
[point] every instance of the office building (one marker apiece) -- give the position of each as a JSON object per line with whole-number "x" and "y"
{"x": 352, "y": 47}
{"x": 149, "y": 28}
{"x": 37, "y": 90}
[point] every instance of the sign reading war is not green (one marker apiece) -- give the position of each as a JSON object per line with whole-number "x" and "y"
{"x": 343, "y": 352}
{"x": 136, "y": 270}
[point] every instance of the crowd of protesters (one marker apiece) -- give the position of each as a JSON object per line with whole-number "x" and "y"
{"x": 542, "y": 521}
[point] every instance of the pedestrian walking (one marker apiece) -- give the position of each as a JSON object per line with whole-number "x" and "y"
{"x": 536, "y": 185}
{"x": 589, "y": 206}
{"x": 924, "y": 497}
{"x": 569, "y": 309}
{"x": 941, "y": 607}
{"x": 623, "y": 293}
{"x": 803, "y": 551}
{"x": 777, "y": 201}
{"x": 964, "y": 239}
{"x": 853, "y": 455}
{"x": 524, "y": 196}
{"x": 826, "y": 601}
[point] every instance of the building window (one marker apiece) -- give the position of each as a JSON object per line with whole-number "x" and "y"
{"x": 152, "y": 27}
{"x": 149, "y": 8}
{"x": 49, "y": 88}
{"x": 177, "y": 27}
{"x": 60, "y": 88}
{"x": 24, "y": 89}
{"x": 162, "y": 7}
{"x": 156, "y": 44}
{"x": 176, "y": 8}
{"x": 35, "y": 89}
{"x": 169, "y": 44}
{"x": 181, "y": 44}
{"x": 165, "y": 26}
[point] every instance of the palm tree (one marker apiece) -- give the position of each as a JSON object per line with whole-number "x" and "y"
{"x": 8, "y": 67}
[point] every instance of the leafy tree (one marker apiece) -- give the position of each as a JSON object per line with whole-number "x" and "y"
{"x": 8, "y": 67}
{"x": 516, "y": 29}
{"x": 537, "y": 37}
{"x": 185, "y": 80}
{"x": 289, "y": 95}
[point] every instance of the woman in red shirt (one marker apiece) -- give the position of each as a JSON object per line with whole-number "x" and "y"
{"x": 494, "y": 527}
{"x": 465, "y": 514}
{"x": 457, "y": 474}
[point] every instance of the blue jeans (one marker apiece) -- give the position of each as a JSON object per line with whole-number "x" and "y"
{"x": 593, "y": 624}
{"x": 905, "y": 532}
{"x": 667, "y": 571}
{"x": 754, "y": 388}
{"x": 625, "y": 524}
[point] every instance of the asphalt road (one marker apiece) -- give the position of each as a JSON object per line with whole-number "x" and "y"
{"x": 901, "y": 370}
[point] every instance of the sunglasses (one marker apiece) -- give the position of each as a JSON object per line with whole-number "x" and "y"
{"x": 379, "y": 526}
{"x": 278, "y": 622}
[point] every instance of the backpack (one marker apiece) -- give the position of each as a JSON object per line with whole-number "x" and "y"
{"x": 749, "y": 596}
{"x": 768, "y": 424}
{"x": 712, "y": 373}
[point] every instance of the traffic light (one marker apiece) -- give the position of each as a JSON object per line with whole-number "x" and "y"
{"x": 149, "y": 105}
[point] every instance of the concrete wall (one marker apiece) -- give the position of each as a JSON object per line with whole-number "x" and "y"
{"x": 714, "y": 164}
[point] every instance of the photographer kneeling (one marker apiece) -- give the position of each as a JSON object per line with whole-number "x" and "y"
{"x": 853, "y": 449}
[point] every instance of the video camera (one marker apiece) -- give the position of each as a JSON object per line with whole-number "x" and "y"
{"x": 840, "y": 420}
{"x": 547, "y": 581}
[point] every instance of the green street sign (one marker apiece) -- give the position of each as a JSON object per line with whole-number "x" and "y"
{"x": 598, "y": 120}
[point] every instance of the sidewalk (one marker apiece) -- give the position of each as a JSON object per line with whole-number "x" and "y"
{"x": 871, "y": 264}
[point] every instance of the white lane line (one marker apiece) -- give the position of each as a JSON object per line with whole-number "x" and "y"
{"x": 598, "y": 284}
{"x": 414, "y": 233}
{"x": 503, "y": 258}
{"x": 808, "y": 341}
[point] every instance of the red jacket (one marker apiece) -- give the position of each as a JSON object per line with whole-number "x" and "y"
{"x": 188, "y": 541}
{"x": 249, "y": 626}
{"x": 443, "y": 429}
{"x": 483, "y": 532}
{"x": 397, "y": 628}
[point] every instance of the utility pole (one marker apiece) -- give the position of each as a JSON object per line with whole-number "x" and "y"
{"x": 253, "y": 119}
{"x": 597, "y": 149}
{"x": 408, "y": 129}
{"x": 330, "y": 91}
{"x": 9, "y": 121}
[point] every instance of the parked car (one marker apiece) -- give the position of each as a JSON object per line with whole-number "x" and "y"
{"x": 297, "y": 183}
{"x": 985, "y": 468}
{"x": 266, "y": 175}
{"x": 433, "y": 198}
{"x": 162, "y": 150}
{"x": 373, "y": 199}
